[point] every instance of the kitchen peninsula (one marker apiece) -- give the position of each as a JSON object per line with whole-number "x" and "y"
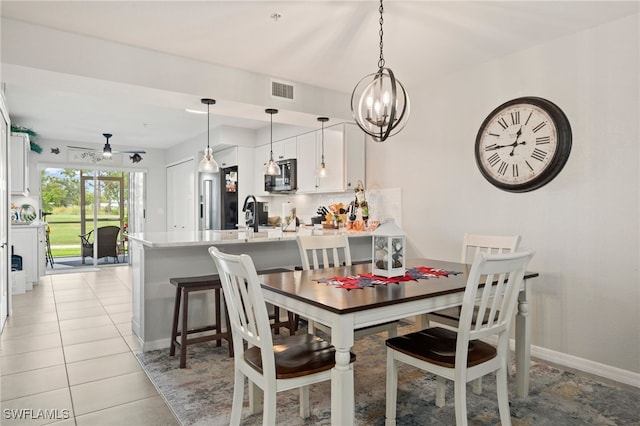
{"x": 158, "y": 256}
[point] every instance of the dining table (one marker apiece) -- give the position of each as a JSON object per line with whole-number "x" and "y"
{"x": 345, "y": 310}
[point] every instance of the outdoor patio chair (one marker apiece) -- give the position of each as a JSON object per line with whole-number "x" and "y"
{"x": 107, "y": 243}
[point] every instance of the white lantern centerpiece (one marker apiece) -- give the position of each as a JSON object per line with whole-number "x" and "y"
{"x": 389, "y": 250}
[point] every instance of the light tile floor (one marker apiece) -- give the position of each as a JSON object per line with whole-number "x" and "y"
{"x": 67, "y": 355}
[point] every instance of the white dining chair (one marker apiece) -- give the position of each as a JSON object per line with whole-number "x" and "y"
{"x": 326, "y": 251}
{"x": 472, "y": 244}
{"x": 461, "y": 356}
{"x": 293, "y": 362}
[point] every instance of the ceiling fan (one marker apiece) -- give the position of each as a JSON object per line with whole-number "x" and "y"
{"x": 107, "y": 151}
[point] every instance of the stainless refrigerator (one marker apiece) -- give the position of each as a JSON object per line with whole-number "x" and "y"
{"x": 218, "y": 199}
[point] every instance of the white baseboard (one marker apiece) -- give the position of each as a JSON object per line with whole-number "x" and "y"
{"x": 157, "y": 344}
{"x": 602, "y": 370}
{"x": 586, "y": 366}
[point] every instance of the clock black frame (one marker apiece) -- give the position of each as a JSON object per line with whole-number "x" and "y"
{"x": 560, "y": 157}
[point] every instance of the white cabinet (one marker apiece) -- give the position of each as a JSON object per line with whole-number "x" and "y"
{"x": 306, "y": 163}
{"x": 285, "y": 149}
{"x": 19, "y": 164}
{"x": 29, "y": 242}
{"x": 181, "y": 186}
{"x": 260, "y": 160}
{"x": 343, "y": 154}
{"x": 227, "y": 157}
{"x": 354, "y": 151}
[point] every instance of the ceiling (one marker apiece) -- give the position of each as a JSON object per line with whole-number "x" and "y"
{"x": 329, "y": 44}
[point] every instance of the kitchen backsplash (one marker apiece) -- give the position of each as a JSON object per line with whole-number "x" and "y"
{"x": 383, "y": 203}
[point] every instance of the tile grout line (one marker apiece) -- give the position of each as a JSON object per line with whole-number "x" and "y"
{"x": 64, "y": 356}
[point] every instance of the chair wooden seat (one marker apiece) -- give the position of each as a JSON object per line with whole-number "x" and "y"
{"x": 438, "y": 346}
{"x": 297, "y": 356}
{"x": 179, "y": 338}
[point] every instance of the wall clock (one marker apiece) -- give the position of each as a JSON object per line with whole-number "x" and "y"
{"x": 523, "y": 144}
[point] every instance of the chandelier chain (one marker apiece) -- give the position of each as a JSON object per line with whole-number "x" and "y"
{"x": 381, "y": 32}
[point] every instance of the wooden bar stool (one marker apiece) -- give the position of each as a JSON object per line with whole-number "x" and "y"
{"x": 185, "y": 286}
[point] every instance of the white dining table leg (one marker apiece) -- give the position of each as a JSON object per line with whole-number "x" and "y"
{"x": 342, "y": 382}
{"x": 523, "y": 342}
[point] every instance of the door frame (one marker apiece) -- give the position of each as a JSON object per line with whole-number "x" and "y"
{"x": 5, "y": 200}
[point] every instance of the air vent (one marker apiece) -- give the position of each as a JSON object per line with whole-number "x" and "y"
{"x": 282, "y": 90}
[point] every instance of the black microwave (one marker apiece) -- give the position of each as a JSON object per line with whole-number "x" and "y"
{"x": 286, "y": 181}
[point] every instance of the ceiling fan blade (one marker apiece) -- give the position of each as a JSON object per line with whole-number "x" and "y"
{"x": 82, "y": 147}
{"x": 132, "y": 152}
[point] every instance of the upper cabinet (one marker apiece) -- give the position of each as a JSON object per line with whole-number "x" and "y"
{"x": 285, "y": 149}
{"x": 344, "y": 146}
{"x": 227, "y": 157}
{"x": 181, "y": 188}
{"x": 260, "y": 161}
{"x": 20, "y": 164}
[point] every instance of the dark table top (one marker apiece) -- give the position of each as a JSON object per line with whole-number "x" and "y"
{"x": 302, "y": 285}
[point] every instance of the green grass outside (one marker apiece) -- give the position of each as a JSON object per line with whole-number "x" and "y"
{"x": 65, "y": 233}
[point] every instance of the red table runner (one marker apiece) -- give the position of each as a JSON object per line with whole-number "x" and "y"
{"x": 369, "y": 280}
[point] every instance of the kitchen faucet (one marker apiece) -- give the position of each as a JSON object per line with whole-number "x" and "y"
{"x": 250, "y": 214}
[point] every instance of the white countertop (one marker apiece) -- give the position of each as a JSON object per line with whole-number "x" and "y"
{"x": 201, "y": 238}
{"x": 34, "y": 224}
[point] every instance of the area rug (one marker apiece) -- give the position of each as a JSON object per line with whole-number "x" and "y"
{"x": 201, "y": 394}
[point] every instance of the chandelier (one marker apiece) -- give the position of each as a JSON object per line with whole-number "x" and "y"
{"x": 379, "y": 102}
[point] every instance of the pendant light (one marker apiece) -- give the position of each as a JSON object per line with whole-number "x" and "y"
{"x": 208, "y": 164}
{"x": 379, "y": 102}
{"x": 272, "y": 168}
{"x": 106, "y": 151}
{"x": 322, "y": 172}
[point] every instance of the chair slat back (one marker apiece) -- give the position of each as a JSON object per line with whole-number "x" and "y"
{"x": 247, "y": 309}
{"x": 473, "y": 244}
{"x": 323, "y": 251}
{"x": 501, "y": 276}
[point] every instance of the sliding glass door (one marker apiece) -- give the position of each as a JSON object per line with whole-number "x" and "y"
{"x": 88, "y": 212}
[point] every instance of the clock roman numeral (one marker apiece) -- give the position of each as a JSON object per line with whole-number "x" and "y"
{"x": 494, "y": 134}
{"x": 503, "y": 123}
{"x": 490, "y": 147}
{"x": 539, "y": 126}
{"x": 528, "y": 118}
{"x": 514, "y": 170}
{"x": 494, "y": 159}
{"x": 515, "y": 117}
{"x": 543, "y": 140}
{"x": 528, "y": 165}
{"x": 503, "y": 168}
{"x": 538, "y": 154}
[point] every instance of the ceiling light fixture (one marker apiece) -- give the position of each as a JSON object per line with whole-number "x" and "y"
{"x": 379, "y": 102}
{"x": 322, "y": 172}
{"x": 208, "y": 164}
{"x": 272, "y": 168}
{"x": 106, "y": 151}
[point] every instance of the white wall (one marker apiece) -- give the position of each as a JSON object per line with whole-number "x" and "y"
{"x": 583, "y": 225}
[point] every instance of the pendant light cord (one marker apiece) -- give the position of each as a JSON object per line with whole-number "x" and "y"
{"x": 271, "y": 138}
{"x": 208, "y": 129}
{"x": 322, "y": 143}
